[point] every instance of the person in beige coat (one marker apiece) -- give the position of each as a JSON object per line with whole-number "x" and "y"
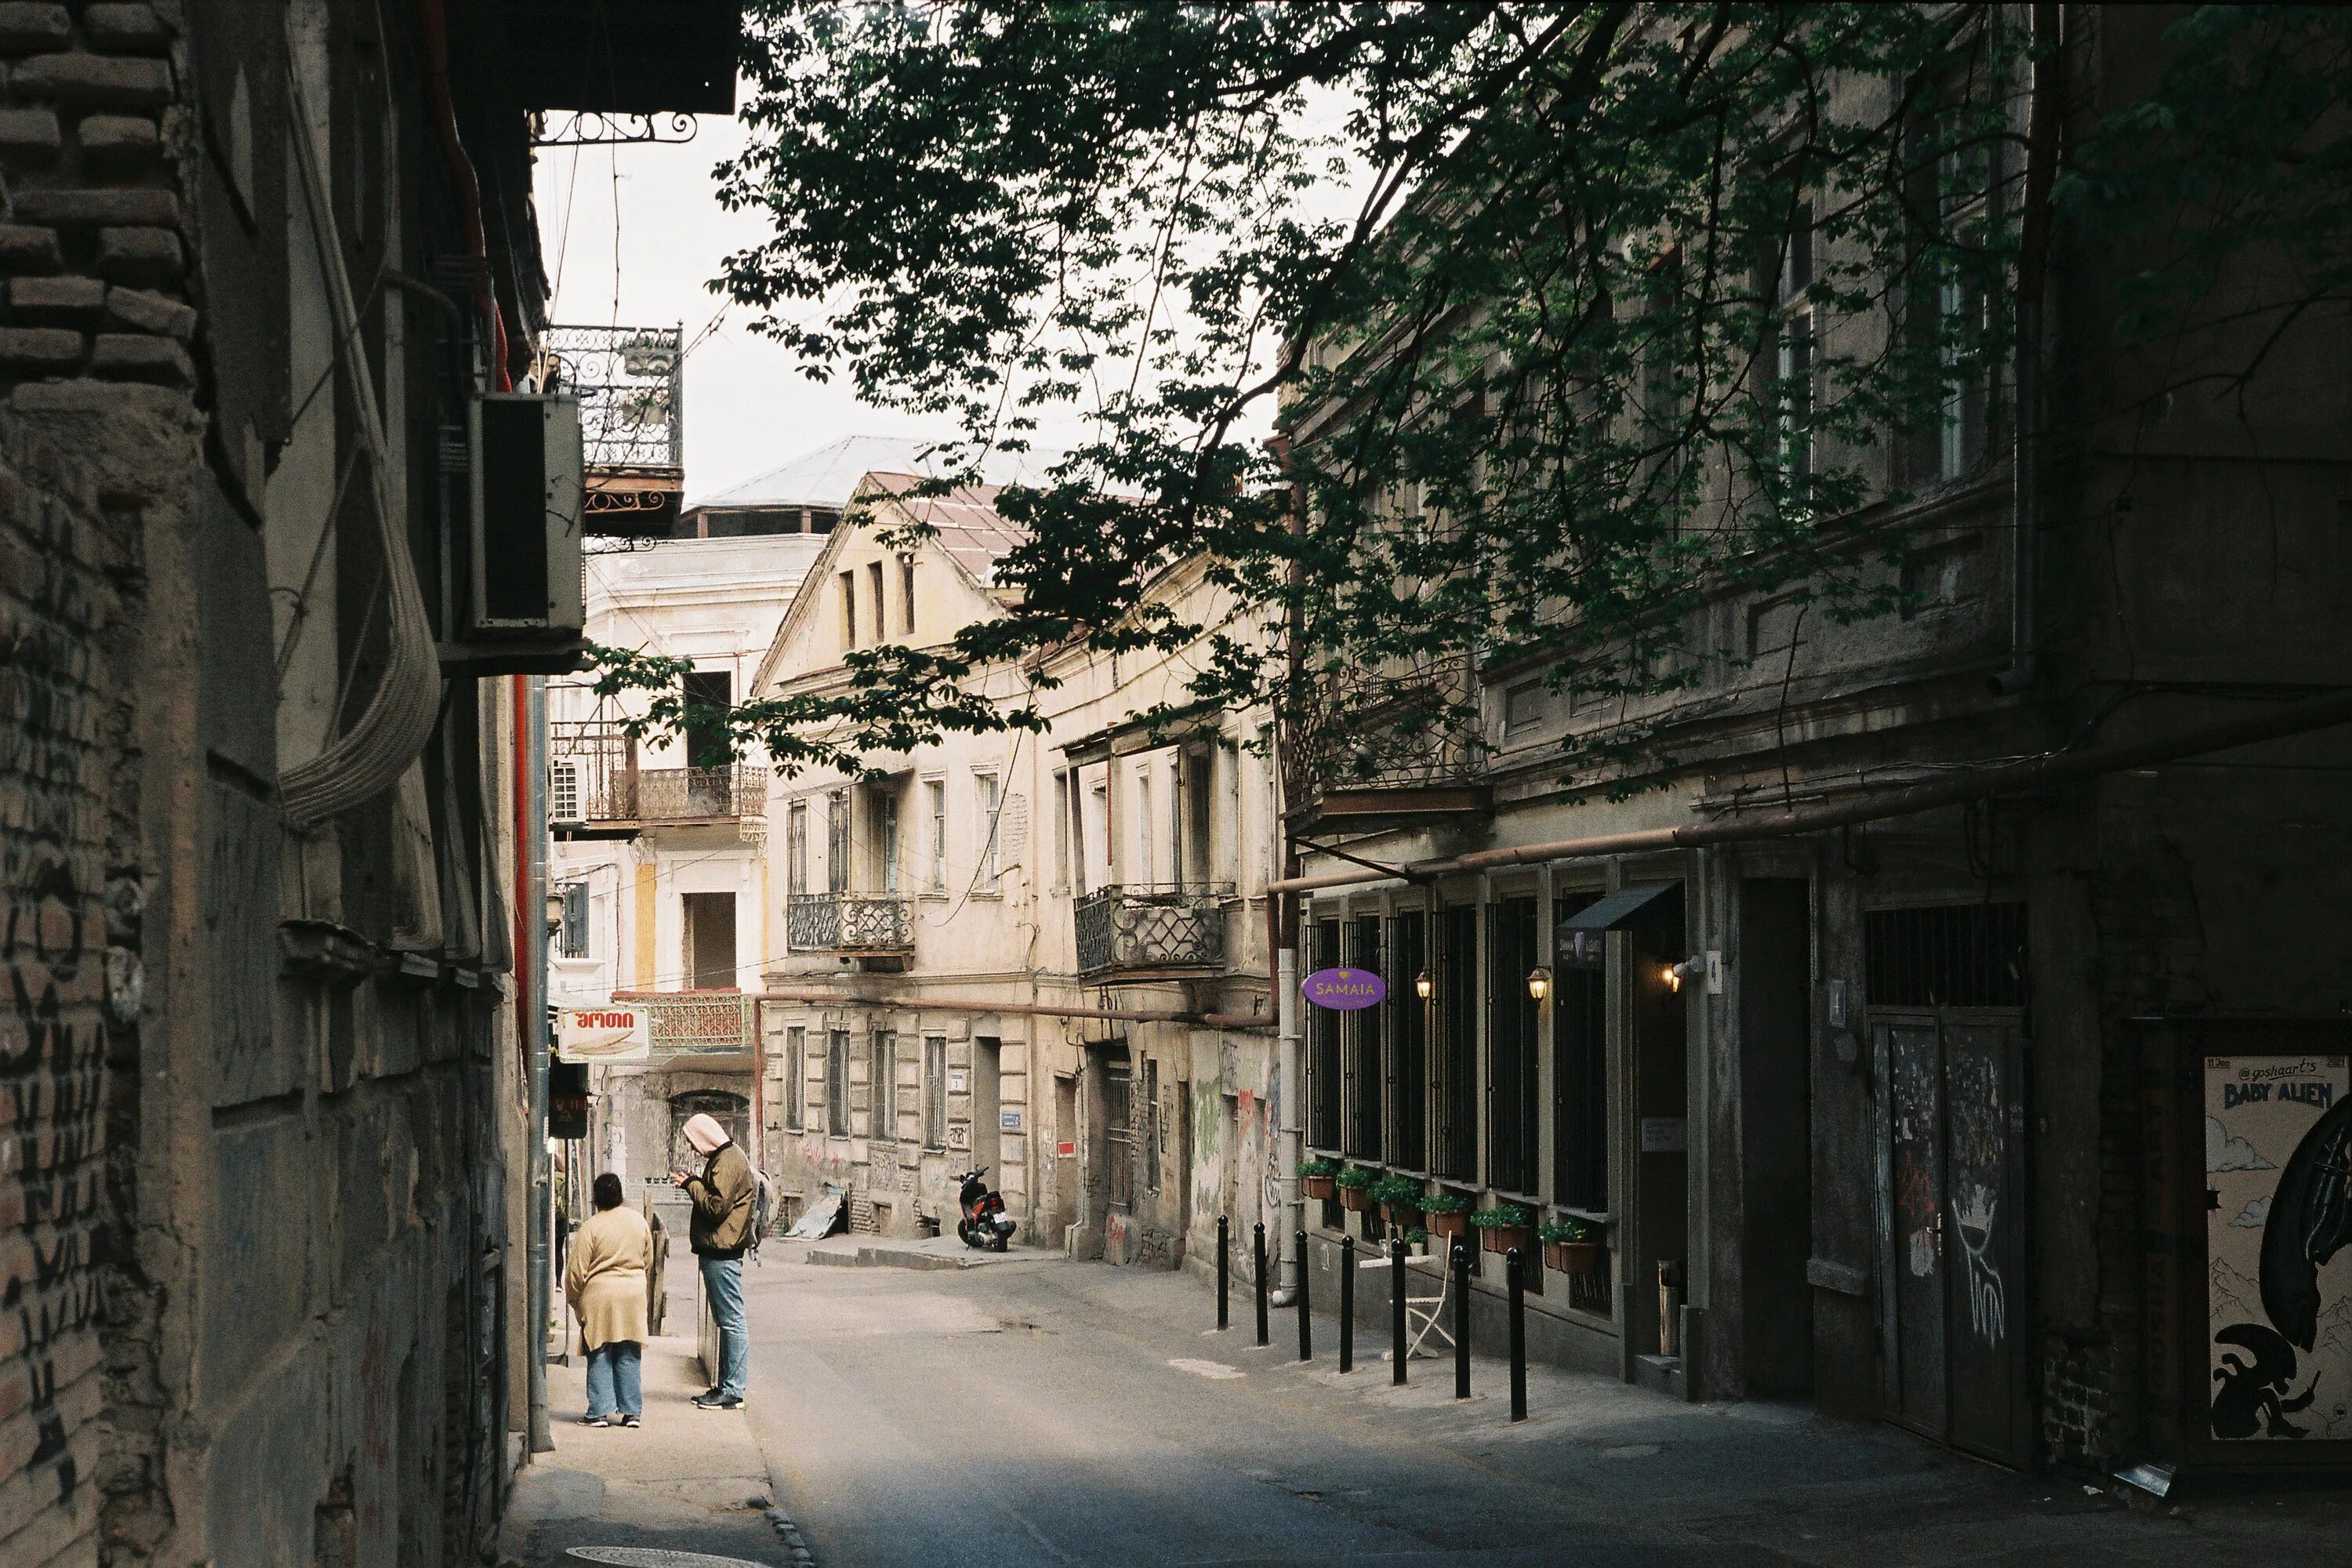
{"x": 605, "y": 1281}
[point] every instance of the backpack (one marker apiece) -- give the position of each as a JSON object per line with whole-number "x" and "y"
{"x": 763, "y": 1209}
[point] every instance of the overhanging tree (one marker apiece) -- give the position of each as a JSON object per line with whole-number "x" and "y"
{"x": 1579, "y": 314}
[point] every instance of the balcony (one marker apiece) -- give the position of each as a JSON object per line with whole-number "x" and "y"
{"x": 696, "y": 1023}
{"x": 867, "y": 924}
{"x": 1142, "y": 930}
{"x": 1387, "y": 750}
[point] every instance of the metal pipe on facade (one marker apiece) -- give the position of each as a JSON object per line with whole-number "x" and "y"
{"x": 2025, "y": 420}
{"x": 1290, "y": 1134}
{"x": 2276, "y": 721}
{"x": 533, "y": 962}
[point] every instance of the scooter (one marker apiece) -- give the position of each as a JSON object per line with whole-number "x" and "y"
{"x": 980, "y": 1212}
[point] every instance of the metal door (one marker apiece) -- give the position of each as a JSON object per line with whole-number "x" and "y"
{"x": 1951, "y": 1227}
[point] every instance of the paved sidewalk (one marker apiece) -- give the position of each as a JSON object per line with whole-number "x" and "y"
{"x": 687, "y": 1480}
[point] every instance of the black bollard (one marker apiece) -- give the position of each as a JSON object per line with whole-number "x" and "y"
{"x": 1224, "y": 1272}
{"x": 1397, "y": 1334}
{"x": 1519, "y": 1338}
{"x": 1262, "y": 1336}
{"x": 1305, "y": 1325}
{"x": 1347, "y": 1303}
{"x": 1461, "y": 1320}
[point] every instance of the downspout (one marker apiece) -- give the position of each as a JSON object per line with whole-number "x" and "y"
{"x": 532, "y": 897}
{"x": 1282, "y": 931}
{"x": 2033, "y": 265}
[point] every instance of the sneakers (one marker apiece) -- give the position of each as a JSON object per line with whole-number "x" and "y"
{"x": 594, "y": 1421}
{"x": 630, "y": 1421}
{"x": 715, "y": 1400}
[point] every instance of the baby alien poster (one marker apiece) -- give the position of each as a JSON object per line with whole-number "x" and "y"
{"x": 2278, "y": 1217}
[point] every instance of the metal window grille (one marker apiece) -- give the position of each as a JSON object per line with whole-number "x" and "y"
{"x": 563, "y": 791}
{"x": 934, "y": 1091}
{"x": 836, "y": 1083}
{"x": 1512, "y": 1105}
{"x": 1152, "y": 1131}
{"x": 1324, "y": 1099}
{"x": 1118, "y": 1131}
{"x": 1408, "y": 1063}
{"x": 1946, "y": 955}
{"x": 571, "y": 938}
{"x": 1365, "y": 1070}
{"x": 795, "y": 1078}
{"x": 836, "y": 841}
{"x": 1456, "y": 1067}
{"x": 882, "y": 1085}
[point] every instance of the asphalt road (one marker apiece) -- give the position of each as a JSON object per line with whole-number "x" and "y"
{"x": 1042, "y": 1412}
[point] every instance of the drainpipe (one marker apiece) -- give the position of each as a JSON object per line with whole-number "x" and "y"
{"x": 1287, "y": 1145}
{"x": 2032, "y": 265}
{"x": 1282, "y": 916}
{"x": 533, "y": 962}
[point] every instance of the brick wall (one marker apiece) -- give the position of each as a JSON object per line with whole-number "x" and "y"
{"x": 63, "y": 567}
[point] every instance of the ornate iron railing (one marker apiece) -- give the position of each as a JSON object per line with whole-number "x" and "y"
{"x": 849, "y": 923}
{"x": 674, "y": 795}
{"x": 1386, "y": 728}
{"x": 681, "y": 1021}
{"x": 1137, "y": 927}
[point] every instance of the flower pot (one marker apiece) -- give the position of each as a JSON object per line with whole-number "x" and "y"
{"x": 1503, "y": 1237}
{"x": 1318, "y": 1187}
{"x": 1355, "y": 1200}
{"x": 1404, "y": 1216}
{"x": 1579, "y": 1257}
{"x": 1441, "y": 1224}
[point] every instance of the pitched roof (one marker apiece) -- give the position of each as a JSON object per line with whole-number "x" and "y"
{"x": 969, "y": 529}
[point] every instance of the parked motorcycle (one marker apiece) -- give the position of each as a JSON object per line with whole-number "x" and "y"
{"x": 981, "y": 1218}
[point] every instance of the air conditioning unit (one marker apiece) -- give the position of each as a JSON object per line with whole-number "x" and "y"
{"x": 526, "y": 482}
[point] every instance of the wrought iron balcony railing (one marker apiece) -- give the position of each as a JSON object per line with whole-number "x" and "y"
{"x": 680, "y": 1023}
{"x": 1127, "y": 928}
{"x": 685, "y": 795}
{"x": 849, "y": 923}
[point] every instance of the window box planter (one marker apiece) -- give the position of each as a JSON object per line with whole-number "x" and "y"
{"x": 1504, "y": 1227}
{"x": 1399, "y": 1201}
{"x": 1355, "y": 1185}
{"x": 1448, "y": 1215}
{"x": 1317, "y": 1174}
{"x": 1572, "y": 1247}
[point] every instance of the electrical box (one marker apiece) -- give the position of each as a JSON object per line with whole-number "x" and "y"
{"x": 527, "y": 489}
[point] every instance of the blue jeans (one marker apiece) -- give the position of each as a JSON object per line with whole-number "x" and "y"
{"x": 613, "y": 1381}
{"x": 722, "y": 1285}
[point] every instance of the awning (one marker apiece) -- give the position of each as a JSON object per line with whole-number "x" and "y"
{"x": 1617, "y": 909}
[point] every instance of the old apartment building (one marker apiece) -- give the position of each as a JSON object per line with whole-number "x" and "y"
{"x": 1951, "y": 1031}
{"x": 272, "y": 302}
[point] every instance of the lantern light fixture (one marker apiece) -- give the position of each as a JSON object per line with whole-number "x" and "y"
{"x": 1538, "y": 983}
{"x": 1423, "y": 986}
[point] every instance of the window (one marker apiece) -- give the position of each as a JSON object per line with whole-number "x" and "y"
{"x": 906, "y": 593}
{"x": 1524, "y": 707}
{"x": 837, "y": 842}
{"x": 1118, "y": 1131}
{"x": 1143, "y": 826}
{"x": 836, "y": 1083}
{"x": 1151, "y": 1135}
{"x": 709, "y": 932}
{"x": 848, "y": 609}
{"x": 1408, "y": 1033}
{"x": 1964, "y": 180}
{"x": 1512, "y": 1102}
{"x": 1363, "y": 1032}
{"x": 934, "y": 1091}
{"x": 874, "y": 592}
{"x": 796, "y": 864}
{"x": 886, "y": 839}
{"x": 1455, "y": 1074}
{"x": 1580, "y": 1070}
{"x": 1062, "y": 826}
{"x": 563, "y": 791}
{"x": 1951, "y": 955}
{"x": 882, "y": 1084}
{"x": 1199, "y": 768}
{"x": 935, "y": 808}
{"x": 1323, "y": 1098}
{"x": 571, "y": 938}
{"x": 708, "y": 695}
{"x": 1793, "y": 369}
{"x": 988, "y": 814}
{"x": 795, "y": 1078}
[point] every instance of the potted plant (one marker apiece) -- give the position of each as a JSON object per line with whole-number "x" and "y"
{"x": 1355, "y": 1185}
{"x": 1400, "y": 1200}
{"x": 1318, "y": 1175}
{"x": 1418, "y": 1240}
{"x": 1572, "y": 1246}
{"x": 1448, "y": 1214}
{"x": 1504, "y": 1227}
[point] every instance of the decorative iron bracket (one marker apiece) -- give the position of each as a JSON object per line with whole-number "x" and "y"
{"x": 589, "y": 127}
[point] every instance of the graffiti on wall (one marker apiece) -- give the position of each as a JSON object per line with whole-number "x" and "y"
{"x": 2278, "y": 1217}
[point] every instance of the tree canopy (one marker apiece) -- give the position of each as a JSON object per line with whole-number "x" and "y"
{"x": 1572, "y": 315}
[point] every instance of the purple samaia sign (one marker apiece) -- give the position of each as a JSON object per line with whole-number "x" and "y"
{"x": 1344, "y": 990}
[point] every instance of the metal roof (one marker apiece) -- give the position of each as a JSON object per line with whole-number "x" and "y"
{"x": 1616, "y": 908}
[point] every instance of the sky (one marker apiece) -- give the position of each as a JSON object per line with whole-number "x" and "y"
{"x": 748, "y": 408}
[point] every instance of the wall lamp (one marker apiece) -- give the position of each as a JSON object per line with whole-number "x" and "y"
{"x": 1424, "y": 986}
{"x": 1539, "y": 983}
{"x": 1691, "y": 968}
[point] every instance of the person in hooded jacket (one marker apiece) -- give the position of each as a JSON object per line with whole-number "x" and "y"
{"x": 720, "y": 1234}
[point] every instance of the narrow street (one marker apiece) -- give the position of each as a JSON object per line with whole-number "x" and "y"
{"x": 1038, "y": 1411}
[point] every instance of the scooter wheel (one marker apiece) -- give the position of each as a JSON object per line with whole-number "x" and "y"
{"x": 1002, "y": 1244}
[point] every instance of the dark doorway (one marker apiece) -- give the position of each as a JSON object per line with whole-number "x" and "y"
{"x": 1946, "y": 993}
{"x": 987, "y": 1120}
{"x": 1661, "y": 1069}
{"x": 710, "y": 941}
{"x": 1775, "y": 1130}
{"x": 1455, "y": 1156}
{"x": 708, "y": 694}
{"x": 1513, "y": 1102}
{"x": 1408, "y": 1064}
